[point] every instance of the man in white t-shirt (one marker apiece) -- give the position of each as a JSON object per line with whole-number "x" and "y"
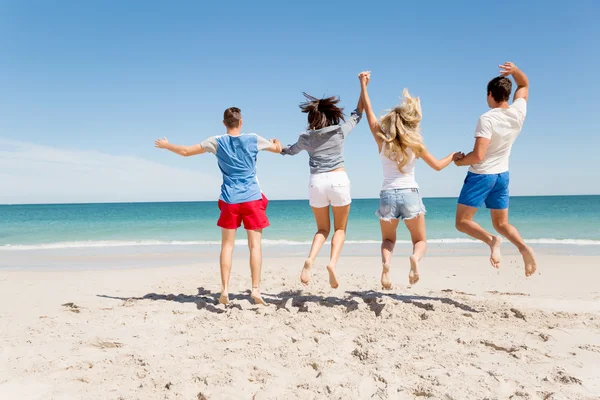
{"x": 488, "y": 177}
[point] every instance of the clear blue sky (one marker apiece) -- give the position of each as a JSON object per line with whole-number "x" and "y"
{"x": 87, "y": 86}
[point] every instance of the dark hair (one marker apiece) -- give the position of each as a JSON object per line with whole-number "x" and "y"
{"x": 232, "y": 117}
{"x": 500, "y": 88}
{"x": 322, "y": 112}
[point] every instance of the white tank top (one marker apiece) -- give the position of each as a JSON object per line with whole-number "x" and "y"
{"x": 394, "y": 178}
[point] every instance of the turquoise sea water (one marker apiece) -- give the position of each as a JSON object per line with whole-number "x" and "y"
{"x": 551, "y": 220}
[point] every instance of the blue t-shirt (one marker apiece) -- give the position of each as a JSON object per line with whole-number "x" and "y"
{"x": 236, "y": 156}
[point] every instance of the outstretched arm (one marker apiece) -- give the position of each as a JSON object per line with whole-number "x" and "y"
{"x": 364, "y": 78}
{"x": 185, "y": 151}
{"x": 520, "y": 79}
{"x": 291, "y": 150}
{"x": 275, "y": 146}
{"x": 439, "y": 165}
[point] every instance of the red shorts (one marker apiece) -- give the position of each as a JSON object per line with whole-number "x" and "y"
{"x": 252, "y": 213}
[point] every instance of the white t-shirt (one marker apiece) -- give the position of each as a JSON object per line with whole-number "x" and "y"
{"x": 501, "y": 126}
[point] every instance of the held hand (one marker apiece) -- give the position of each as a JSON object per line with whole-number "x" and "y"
{"x": 161, "y": 143}
{"x": 364, "y": 77}
{"x": 277, "y": 143}
{"x": 507, "y": 69}
{"x": 457, "y": 156}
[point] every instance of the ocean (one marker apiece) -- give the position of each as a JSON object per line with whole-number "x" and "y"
{"x": 550, "y": 220}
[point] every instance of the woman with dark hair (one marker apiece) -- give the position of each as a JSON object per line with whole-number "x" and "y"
{"x": 329, "y": 184}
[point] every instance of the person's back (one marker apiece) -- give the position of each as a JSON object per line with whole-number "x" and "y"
{"x": 236, "y": 156}
{"x": 329, "y": 185}
{"x": 501, "y": 126}
{"x": 241, "y": 199}
{"x": 394, "y": 178}
{"x": 488, "y": 180}
{"x": 325, "y": 146}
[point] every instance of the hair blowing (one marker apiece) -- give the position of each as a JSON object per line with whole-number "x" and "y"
{"x": 322, "y": 112}
{"x": 401, "y": 130}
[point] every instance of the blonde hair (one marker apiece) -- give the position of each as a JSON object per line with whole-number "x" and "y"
{"x": 401, "y": 130}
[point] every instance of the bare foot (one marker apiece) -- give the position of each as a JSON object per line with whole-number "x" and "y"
{"x": 496, "y": 256}
{"x": 413, "y": 275}
{"x": 224, "y": 298}
{"x": 305, "y": 274}
{"x": 256, "y": 296}
{"x": 529, "y": 259}
{"x": 386, "y": 282}
{"x": 333, "y": 282}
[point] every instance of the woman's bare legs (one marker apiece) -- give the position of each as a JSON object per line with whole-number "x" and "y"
{"x": 416, "y": 227}
{"x": 340, "y": 222}
{"x": 388, "y": 241}
{"x": 323, "y": 227}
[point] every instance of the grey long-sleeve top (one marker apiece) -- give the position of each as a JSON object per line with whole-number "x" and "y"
{"x": 325, "y": 146}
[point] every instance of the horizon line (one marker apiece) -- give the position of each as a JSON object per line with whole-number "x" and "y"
{"x": 214, "y": 201}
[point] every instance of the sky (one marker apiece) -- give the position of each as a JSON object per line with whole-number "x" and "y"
{"x": 86, "y": 88}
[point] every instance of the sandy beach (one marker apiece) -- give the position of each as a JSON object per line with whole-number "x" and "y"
{"x": 466, "y": 331}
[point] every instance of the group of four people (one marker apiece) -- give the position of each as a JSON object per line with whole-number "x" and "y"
{"x": 400, "y": 144}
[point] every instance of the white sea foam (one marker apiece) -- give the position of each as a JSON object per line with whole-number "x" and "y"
{"x": 266, "y": 242}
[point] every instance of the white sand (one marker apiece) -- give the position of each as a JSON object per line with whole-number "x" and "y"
{"x": 158, "y": 334}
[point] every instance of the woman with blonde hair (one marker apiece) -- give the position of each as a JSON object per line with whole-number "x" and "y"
{"x": 400, "y": 144}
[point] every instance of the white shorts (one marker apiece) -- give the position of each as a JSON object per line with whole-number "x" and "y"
{"x": 329, "y": 188}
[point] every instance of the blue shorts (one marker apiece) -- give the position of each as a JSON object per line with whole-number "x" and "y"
{"x": 400, "y": 204}
{"x": 491, "y": 189}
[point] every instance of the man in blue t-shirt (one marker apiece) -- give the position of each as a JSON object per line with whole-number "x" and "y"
{"x": 241, "y": 199}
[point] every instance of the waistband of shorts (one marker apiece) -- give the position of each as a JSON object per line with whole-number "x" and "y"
{"x": 328, "y": 175}
{"x": 400, "y": 191}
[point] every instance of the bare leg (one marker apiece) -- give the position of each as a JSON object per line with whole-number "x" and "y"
{"x": 255, "y": 246}
{"x": 501, "y": 224}
{"x": 227, "y": 245}
{"x": 323, "y": 226}
{"x": 465, "y": 224}
{"x": 388, "y": 241}
{"x": 416, "y": 227}
{"x": 340, "y": 222}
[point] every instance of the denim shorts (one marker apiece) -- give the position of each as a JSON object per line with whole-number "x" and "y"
{"x": 488, "y": 189}
{"x": 400, "y": 204}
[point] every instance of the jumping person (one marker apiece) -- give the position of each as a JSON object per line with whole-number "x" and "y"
{"x": 488, "y": 176}
{"x": 400, "y": 144}
{"x": 241, "y": 198}
{"x": 329, "y": 184}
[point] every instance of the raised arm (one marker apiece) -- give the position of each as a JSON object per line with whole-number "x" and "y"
{"x": 436, "y": 164}
{"x": 185, "y": 151}
{"x": 364, "y": 78}
{"x": 520, "y": 79}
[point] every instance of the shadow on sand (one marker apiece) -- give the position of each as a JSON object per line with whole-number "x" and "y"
{"x": 209, "y": 301}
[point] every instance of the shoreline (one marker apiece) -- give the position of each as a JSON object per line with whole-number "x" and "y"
{"x": 122, "y": 257}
